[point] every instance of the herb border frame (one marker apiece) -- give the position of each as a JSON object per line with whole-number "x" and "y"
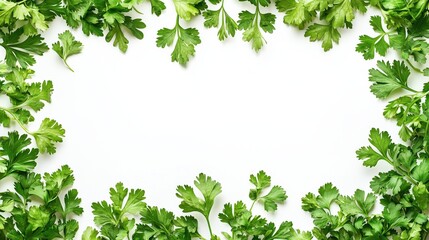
{"x": 43, "y": 207}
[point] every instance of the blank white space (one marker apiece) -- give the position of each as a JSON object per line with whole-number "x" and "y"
{"x": 292, "y": 110}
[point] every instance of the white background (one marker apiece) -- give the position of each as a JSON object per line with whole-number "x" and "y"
{"x": 292, "y": 110}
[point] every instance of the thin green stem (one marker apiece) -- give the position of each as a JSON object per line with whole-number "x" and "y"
{"x": 253, "y": 204}
{"x": 12, "y": 115}
{"x": 209, "y": 225}
{"x": 414, "y": 67}
{"x": 401, "y": 172}
{"x": 137, "y": 11}
{"x": 257, "y": 14}
{"x": 426, "y": 128}
{"x": 223, "y": 13}
{"x": 382, "y": 11}
{"x": 68, "y": 66}
{"x": 410, "y": 89}
{"x": 178, "y": 27}
{"x": 425, "y": 236}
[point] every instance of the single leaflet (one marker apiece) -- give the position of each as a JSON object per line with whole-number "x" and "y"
{"x": 44, "y": 206}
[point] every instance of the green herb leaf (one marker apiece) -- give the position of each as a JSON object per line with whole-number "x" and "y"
{"x": 67, "y": 46}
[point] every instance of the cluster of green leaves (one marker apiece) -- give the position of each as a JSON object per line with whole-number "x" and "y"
{"x": 111, "y": 19}
{"x": 405, "y": 31}
{"x": 35, "y": 207}
{"x": 332, "y": 15}
{"x": 39, "y": 209}
{"x": 129, "y": 217}
{"x": 26, "y": 98}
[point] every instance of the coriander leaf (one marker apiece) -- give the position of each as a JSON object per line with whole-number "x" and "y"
{"x": 103, "y": 213}
{"x": 211, "y": 18}
{"x": 382, "y": 142}
{"x": 325, "y": 33}
{"x": 114, "y": 213}
{"x": 158, "y": 221}
{"x": 51, "y": 8}
{"x": 21, "y": 12}
{"x": 421, "y": 195}
{"x": 134, "y": 26}
{"x": 117, "y": 219}
{"x": 267, "y": 22}
{"x": 421, "y": 171}
{"x": 284, "y": 231}
{"x": 22, "y": 51}
{"x": 49, "y": 133}
{"x": 118, "y": 195}
{"x": 309, "y": 202}
{"x": 276, "y": 196}
{"x": 162, "y": 224}
{"x": 91, "y": 24}
{"x": 18, "y": 77}
{"x": 252, "y": 23}
{"x": 358, "y": 204}
{"x": 319, "y": 5}
{"x": 14, "y": 156}
{"x": 72, "y": 203}
{"x": 261, "y": 181}
{"x": 406, "y": 111}
{"x": 187, "y": 39}
{"x": 328, "y": 194}
{"x": 252, "y": 32}
{"x": 166, "y": 37}
{"x": 410, "y": 46}
{"x": 321, "y": 218}
{"x": 342, "y": 12}
{"x": 38, "y": 94}
{"x": 67, "y": 46}
{"x": 388, "y": 183}
{"x": 134, "y": 203}
{"x": 59, "y": 180}
{"x": 12, "y": 12}
{"x": 298, "y": 235}
{"x": 37, "y": 217}
{"x": 191, "y": 203}
{"x": 157, "y": 7}
{"x": 368, "y": 46}
{"x": 393, "y": 215}
{"x": 70, "y": 229}
{"x": 389, "y": 78}
{"x": 7, "y": 11}
{"x": 120, "y": 40}
{"x": 228, "y": 26}
{"x": 90, "y": 234}
{"x": 187, "y": 223}
{"x": 376, "y": 24}
{"x": 35, "y": 23}
{"x": 296, "y": 13}
{"x": 186, "y": 9}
